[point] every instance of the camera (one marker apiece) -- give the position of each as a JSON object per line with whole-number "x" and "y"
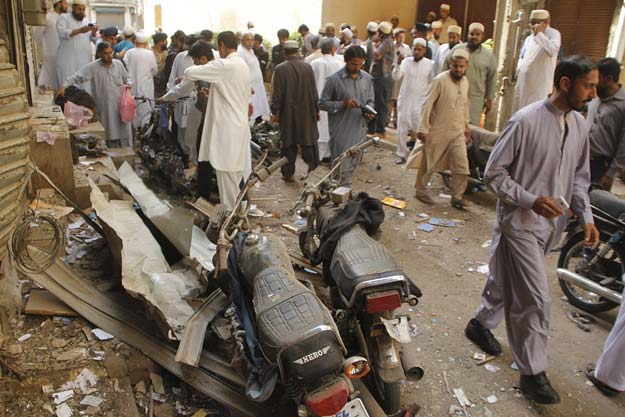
{"x": 90, "y": 24}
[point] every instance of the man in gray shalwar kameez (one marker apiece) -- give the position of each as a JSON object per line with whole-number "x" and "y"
{"x": 344, "y": 93}
{"x": 542, "y": 155}
{"x": 108, "y": 77}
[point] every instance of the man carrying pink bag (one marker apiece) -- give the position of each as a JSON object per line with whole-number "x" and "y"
{"x": 114, "y": 103}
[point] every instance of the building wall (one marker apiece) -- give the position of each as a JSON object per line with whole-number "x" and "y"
{"x": 360, "y": 12}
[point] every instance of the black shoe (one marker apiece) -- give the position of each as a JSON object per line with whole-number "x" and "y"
{"x": 482, "y": 337}
{"x": 538, "y": 389}
{"x": 605, "y": 389}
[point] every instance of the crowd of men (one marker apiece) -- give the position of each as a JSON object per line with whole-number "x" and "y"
{"x": 330, "y": 89}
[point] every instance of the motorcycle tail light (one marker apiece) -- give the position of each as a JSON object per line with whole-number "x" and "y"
{"x": 383, "y": 301}
{"x": 356, "y": 367}
{"x": 329, "y": 400}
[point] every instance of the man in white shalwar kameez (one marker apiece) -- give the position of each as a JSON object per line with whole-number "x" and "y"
{"x": 415, "y": 73}
{"x": 260, "y": 103}
{"x": 75, "y": 42}
{"x": 454, "y": 34}
{"x": 141, "y": 64}
{"x": 538, "y": 60}
{"x": 48, "y": 38}
{"x": 108, "y": 78}
{"x": 541, "y": 155}
{"x": 323, "y": 67}
{"x": 182, "y": 108}
{"x": 226, "y": 135}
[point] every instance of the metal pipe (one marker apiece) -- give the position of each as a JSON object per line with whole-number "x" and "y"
{"x": 411, "y": 368}
{"x": 585, "y": 283}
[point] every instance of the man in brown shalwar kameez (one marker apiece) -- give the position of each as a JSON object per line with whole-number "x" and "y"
{"x": 444, "y": 129}
{"x": 295, "y": 106}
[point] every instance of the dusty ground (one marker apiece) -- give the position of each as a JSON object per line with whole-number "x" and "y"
{"x": 438, "y": 262}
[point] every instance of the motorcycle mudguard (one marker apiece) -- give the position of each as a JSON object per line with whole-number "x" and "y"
{"x": 388, "y": 362}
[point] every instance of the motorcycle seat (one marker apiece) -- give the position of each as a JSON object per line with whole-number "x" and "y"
{"x": 358, "y": 260}
{"x": 607, "y": 202}
{"x": 285, "y": 310}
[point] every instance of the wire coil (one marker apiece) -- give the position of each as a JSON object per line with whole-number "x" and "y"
{"x": 35, "y": 261}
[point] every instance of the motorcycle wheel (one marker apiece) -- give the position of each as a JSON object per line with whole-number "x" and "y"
{"x": 387, "y": 394}
{"x": 577, "y": 296}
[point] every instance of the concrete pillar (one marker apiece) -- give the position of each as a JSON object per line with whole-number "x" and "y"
{"x": 127, "y": 17}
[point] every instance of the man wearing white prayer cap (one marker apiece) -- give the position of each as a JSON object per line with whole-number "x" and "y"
{"x": 346, "y": 40}
{"x": 141, "y": 64}
{"x": 454, "y": 34}
{"x": 446, "y": 21}
{"x": 128, "y": 43}
{"x": 75, "y": 39}
{"x": 403, "y": 50}
{"x": 415, "y": 73}
{"x": 481, "y": 73}
{"x": 443, "y": 129}
{"x": 537, "y": 62}
{"x": 372, "y": 31}
{"x": 48, "y": 39}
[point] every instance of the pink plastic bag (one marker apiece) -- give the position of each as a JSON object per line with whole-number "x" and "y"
{"x": 75, "y": 115}
{"x": 128, "y": 107}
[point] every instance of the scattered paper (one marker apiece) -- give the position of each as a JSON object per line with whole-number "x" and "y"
{"x": 393, "y": 202}
{"x": 73, "y": 354}
{"x": 425, "y": 227}
{"x": 479, "y": 356}
{"x": 447, "y": 196}
{"x": 491, "y": 399}
{"x": 492, "y": 368}
{"x": 62, "y": 396}
{"x": 483, "y": 269}
{"x": 92, "y": 401}
{"x": 514, "y": 366}
{"x": 24, "y": 337}
{"x": 462, "y": 398}
{"x": 47, "y": 389}
{"x": 441, "y": 222}
{"x": 85, "y": 380}
{"x": 487, "y": 243}
{"x": 101, "y": 334}
{"x": 98, "y": 355}
{"x": 46, "y": 137}
{"x": 64, "y": 411}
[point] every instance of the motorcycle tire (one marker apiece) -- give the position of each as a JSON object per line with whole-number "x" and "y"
{"x": 568, "y": 251}
{"x": 388, "y": 395}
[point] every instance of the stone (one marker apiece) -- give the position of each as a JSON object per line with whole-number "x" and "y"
{"x": 116, "y": 366}
{"x": 15, "y": 349}
{"x": 164, "y": 410}
{"x": 59, "y": 343}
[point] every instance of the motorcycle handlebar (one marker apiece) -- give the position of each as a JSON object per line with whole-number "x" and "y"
{"x": 265, "y": 173}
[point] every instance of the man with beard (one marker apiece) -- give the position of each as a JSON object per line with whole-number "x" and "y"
{"x": 401, "y": 51}
{"x": 295, "y": 107}
{"x": 434, "y": 34}
{"x": 415, "y": 74}
{"x": 141, "y": 65}
{"x": 330, "y": 33}
{"x": 381, "y": 71}
{"x": 160, "y": 53}
{"x": 481, "y": 73}
{"x": 606, "y": 118}
{"x": 323, "y": 67}
{"x": 260, "y": 103}
{"x": 538, "y": 60}
{"x": 541, "y": 156}
{"x": 306, "y": 44}
{"x": 454, "y": 33}
{"x": 75, "y": 38}
{"x": 48, "y": 38}
{"x": 421, "y": 30}
{"x": 443, "y": 129}
{"x": 345, "y": 92}
{"x": 108, "y": 77}
{"x": 446, "y": 21}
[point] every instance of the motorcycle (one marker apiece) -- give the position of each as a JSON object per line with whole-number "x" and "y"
{"x": 367, "y": 286}
{"x": 265, "y": 139}
{"x": 479, "y": 149}
{"x": 295, "y": 333}
{"x": 161, "y": 154}
{"x": 592, "y": 279}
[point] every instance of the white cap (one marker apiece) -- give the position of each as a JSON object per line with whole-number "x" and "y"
{"x": 420, "y": 41}
{"x": 398, "y": 30}
{"x": 539, "y": 14}
{"x": 79, "y": 2}
{"x": 372, "y": 27}
{"x": 141, "y": 37}
{"x": 454, "y": 29}
{"x": 129, "y": 31}
{"x": 250, "y": 24}
{"x": 385, "y": 27}
{"x": 476, "y": 25}
{"x": 445, "y": 6}
{"x": 330, "y": 25}
{"x": 460, "y": 53}
{"x": 437, "y": 24}
{"x": 347, "y": 32}
{"x": 291, "y": 45}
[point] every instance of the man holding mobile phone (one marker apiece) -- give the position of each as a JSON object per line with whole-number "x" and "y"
{"x": 542, "y": 153}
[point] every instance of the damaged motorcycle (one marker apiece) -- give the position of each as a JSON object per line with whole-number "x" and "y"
{"x": 367, "y": 285}
{"x": 592, "y": 279}
{"x": 284, "y": 334}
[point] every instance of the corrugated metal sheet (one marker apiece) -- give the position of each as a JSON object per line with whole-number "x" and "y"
{"x": 14, "y": 149}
